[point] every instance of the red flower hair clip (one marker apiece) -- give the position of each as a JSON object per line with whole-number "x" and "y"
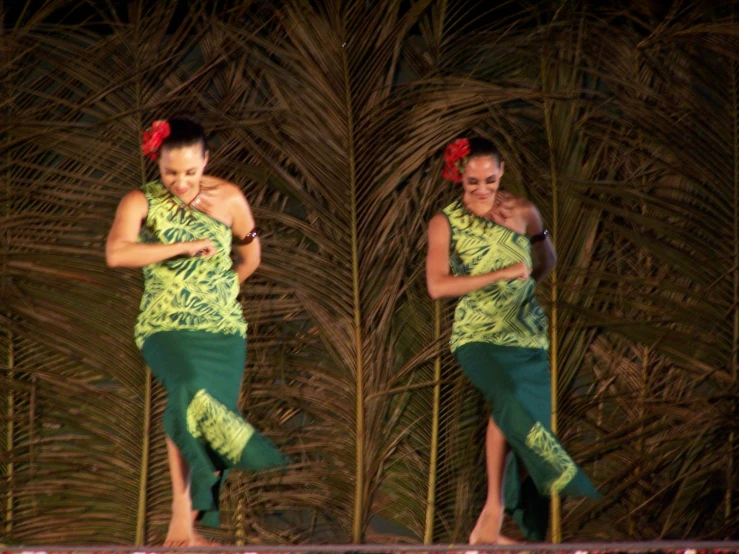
{"x": 152, "y": 139}
{"x": 455, "y": 156}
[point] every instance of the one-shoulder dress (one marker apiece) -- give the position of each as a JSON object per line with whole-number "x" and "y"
{"x": 500, "y": 340}
{"x": 192, "y": 334}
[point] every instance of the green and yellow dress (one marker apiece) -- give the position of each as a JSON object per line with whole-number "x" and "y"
{"x": 192, "y": 334}
{"x": 501, "y": 342}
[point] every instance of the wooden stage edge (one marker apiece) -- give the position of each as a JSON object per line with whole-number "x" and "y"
{"x": 652, "y": 547}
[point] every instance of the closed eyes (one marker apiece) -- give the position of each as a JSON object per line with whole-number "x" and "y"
{"x": 189, "y": 173}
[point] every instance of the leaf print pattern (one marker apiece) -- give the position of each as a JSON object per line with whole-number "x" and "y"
{"x": 187, "y": 292}
{"x": 543, "y": 443}
{"x": 224, "y": 431}
{"x": 505, "y": 312}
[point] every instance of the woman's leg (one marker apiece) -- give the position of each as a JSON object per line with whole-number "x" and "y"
{"x": 487, "y": 528}
{"x": 180, "y": 531}
{"x": 197, "y": 538}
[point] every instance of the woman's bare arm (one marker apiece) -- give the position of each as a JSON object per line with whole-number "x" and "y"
{"x": 249, "y": 255}
{"x": 122, "y": 248}
{"x": 439, "y": 280}
{"x": 542, "y": 251}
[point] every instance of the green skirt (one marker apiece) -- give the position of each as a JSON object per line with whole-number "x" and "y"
{"x": 201, "y": 373}
{"x": 516, "y": 383}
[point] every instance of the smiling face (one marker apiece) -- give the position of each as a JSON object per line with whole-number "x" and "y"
{"x": 181, "y": 169}
{"x": 481, "y": 178}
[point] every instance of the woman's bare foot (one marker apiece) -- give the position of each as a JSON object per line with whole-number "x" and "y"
{"x": 180, "y": 526}
{"x": 179, "y": 533}
{"x": 487, "y": 528}
{"x": 176, "y": 540}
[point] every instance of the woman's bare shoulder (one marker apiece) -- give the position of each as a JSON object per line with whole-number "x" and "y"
{"x": 134, "y": 199}
{"x": 226, "y": 189}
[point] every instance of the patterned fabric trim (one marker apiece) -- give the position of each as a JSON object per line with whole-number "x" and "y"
{"x": 543, "y": 443}
{"x": 223, "y": 430}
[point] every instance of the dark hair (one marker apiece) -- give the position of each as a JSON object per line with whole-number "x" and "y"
{"x": 185, "y": 130}
{"x": 483, "y": 147}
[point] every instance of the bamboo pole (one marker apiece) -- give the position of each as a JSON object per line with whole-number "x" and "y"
{"x": 428, "y": 535}
{"x": 144, "y": 475}
{"x": 730, "y": 466}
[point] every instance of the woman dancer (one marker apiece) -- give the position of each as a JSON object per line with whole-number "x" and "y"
{"x": 190, "y": 329}
{"x": 491, "y": 256}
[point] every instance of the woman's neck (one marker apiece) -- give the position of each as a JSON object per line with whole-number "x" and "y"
{"x": 481, "y": 208}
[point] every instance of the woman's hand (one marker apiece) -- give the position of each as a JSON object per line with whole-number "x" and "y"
{"x": 517, "y": 271}
{"x": 505, "y": 205}
{"x": 204, "y": 248}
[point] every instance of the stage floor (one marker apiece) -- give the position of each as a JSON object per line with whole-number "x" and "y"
{"x": 656, "y": 547}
